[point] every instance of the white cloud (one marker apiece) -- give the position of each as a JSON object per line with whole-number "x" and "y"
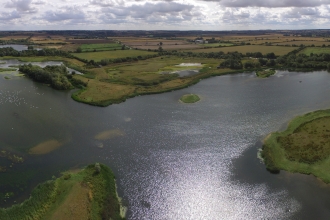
{"x": 165, "y": 14}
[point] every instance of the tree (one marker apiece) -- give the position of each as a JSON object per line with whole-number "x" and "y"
{"x": 161, "y": 43}
{"x": 123, "y": 47}
{"x": 97, "y": 168}
{"x": 79, "y": 50}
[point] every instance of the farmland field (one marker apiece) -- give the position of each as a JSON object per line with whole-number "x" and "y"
{"x": 315, "y": 50}
{"x": 100, "y": 47}
{"x": 278, "y": 50}
{"x": 306, "y": 43}
{"x": 98, "y": 56}
{"x": 154, "y": 44}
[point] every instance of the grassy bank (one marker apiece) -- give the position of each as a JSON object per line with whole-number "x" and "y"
{"x": 189, "y": 98}
{"x": 117, "y": 82}
{"x": 303, "y": 147}
{"x": 87, "y": 194}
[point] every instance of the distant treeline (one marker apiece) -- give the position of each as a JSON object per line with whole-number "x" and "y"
{"x": 57, "y": 76}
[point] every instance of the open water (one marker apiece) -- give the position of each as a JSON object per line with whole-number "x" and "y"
{"x": 171, "y": 160}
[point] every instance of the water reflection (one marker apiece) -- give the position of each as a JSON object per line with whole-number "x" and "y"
{"x": 175, "y": 161}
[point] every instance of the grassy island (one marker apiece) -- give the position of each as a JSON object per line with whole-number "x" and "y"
{"x": 265, "y": 73}
{"x": 190, "y": 98}
{"x": 304, "y": 147}
{"x": 86, "y": 194}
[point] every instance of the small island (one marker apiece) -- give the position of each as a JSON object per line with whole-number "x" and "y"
{"x": 265, "y": 73}
{"x": 84, "y": 194}
{"x": 190, "y": 98}
{"x": 304, "y": 147}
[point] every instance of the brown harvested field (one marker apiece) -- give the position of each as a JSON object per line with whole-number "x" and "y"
{"x": 14, "y": 37}
{"x": 278, "y": 50}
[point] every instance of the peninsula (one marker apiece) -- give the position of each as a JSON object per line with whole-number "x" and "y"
{"x": 86, "y": 194}
{"x": 304, "y": 147}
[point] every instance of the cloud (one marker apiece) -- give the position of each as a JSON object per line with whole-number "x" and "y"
{"x": 72, "y": 14}
{"x": 107, "y": 3}
{"x": 9, "y": 16}
{"x": 162, "y": 11}
{"x": 272, "y": 3}
{"x": 23, "y": 6}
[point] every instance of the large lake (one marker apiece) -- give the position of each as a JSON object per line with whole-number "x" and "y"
{"x": 171, "y": 160}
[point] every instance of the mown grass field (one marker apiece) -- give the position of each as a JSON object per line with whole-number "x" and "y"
{"x": 100, "y": 47}
{"x": 304, "y": 147}
{"x": 315, "y": 50}
{"x": 278, "y": 50}
{"x": 98, "y": 56}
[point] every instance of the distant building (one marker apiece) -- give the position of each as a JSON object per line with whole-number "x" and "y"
{"x": 201, "y": 42}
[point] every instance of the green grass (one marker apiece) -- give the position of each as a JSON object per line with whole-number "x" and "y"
{"x": 190, "y": 98}
{"x": 100, "y": 47}
{"x": 265, "y": 73}
{"x": 98, "y": 56}
{"x": 7, "y": 69}
{"x": 304, "y": 147}
{"x": 315, "y": 50}
{"x": 96, "y": 190}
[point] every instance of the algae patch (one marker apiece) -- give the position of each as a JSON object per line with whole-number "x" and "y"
{"x": 105, "y": 135}
{"x": 46, "y": 147}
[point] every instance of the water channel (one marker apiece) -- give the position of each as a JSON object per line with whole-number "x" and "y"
{"x": 171, "y": 160}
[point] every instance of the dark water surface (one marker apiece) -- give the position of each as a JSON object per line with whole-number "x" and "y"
{"x": 171, "y": 160}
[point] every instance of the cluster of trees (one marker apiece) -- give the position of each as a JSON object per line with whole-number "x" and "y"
{"x": 314, "y": 61}
{"x": 9, "y": 51}
{"x": 260, "y": 55}
{"x": 56, "y": 76}
{"x": 232, "y": 61}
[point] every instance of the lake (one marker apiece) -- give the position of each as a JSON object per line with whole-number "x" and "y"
{"x": 19, "y": 47}
{"x": 171, "y": 160}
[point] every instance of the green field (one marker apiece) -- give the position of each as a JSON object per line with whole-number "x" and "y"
{"x": 100, "y": 47}
{"x": 98, "y": 56}
{"x": 315, "y": 50}
{"x": 278, "y": 50}
{"x": 304, "y": 147}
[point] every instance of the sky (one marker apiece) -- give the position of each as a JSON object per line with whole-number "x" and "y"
{"x": 164, "y": 14}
